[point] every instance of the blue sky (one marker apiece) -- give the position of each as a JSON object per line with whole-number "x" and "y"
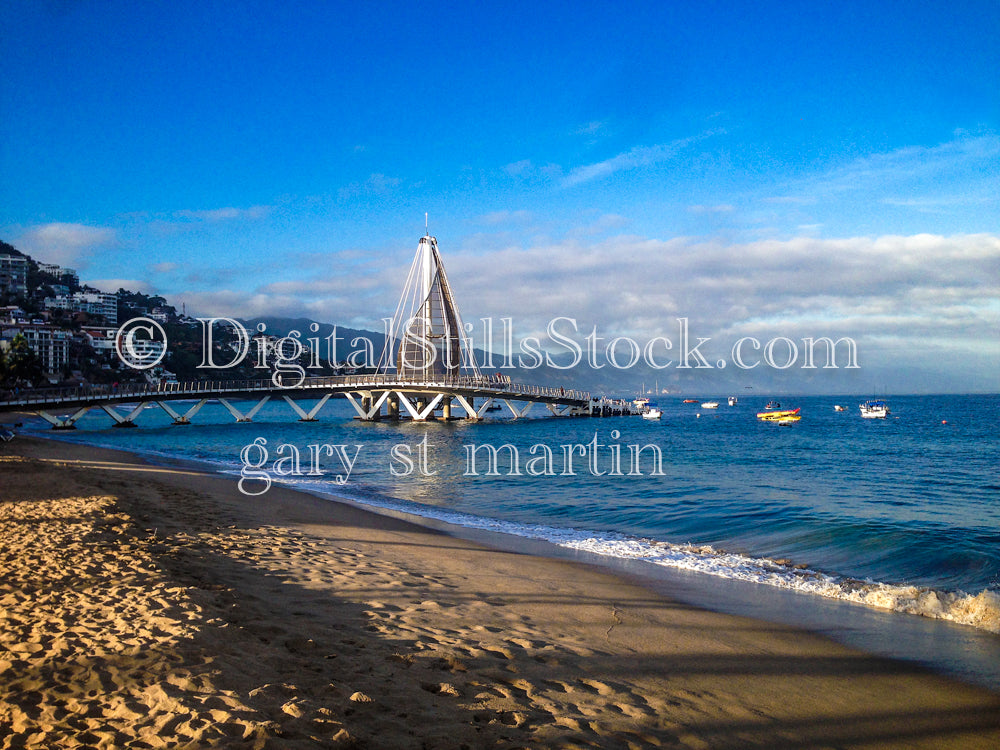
{"x": 777, "y": 168}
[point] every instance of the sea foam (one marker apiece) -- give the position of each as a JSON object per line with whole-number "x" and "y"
{"x": 980, "y": 610}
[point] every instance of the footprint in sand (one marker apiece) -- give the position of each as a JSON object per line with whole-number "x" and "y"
{"x": 598, "y": 687}
{"x": 488, "y": 628}
{"x": 495, "y": 651}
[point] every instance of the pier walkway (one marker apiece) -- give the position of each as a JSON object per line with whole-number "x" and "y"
{"x": 373, "y": 397}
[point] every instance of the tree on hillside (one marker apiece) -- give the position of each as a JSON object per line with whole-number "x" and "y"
{"x": 20, "y": 366}
{"x": 6, "y": 249}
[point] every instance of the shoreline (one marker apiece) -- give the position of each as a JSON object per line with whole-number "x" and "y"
{"x": 948, "y": 645}
{"x": 484, "y": 646}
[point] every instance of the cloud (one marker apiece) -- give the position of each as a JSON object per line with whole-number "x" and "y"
{"x": 923, "y": 168}
{"x": 216, "y": 215}
{"x": 376, "y": 184}
{"x": 605, "y": 223}
{"x": 235, "y": 303}
{"x": 64, "y": 243}
{"x": 591, "y": 128}
{"x": 792, "y": 200}
{"x": 640, "y": 156}
{"x": 914, "y": 301}
{"x": 506, "y": 217}
{"x": 166, "y": 267}
{"x": 519, "y": 168}
{"x": 920, "y": 288}
{"x": 721, "y": 208}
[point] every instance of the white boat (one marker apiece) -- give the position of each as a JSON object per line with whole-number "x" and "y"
{"x": 653, "y": 413}
{"x": 874, "y": 409}
{"x": 838, "y": 407}
{"x": 710, "y": 405}
{"x": 732, "y": 400}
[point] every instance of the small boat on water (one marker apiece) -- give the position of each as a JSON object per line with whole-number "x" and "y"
{"x": 838, "y": 407}
{"x": 710, "y": 405}
{"x": 652, "y": 413}
{"x": 732, "y": 400}
{"x": 785, "y": 420}
{"x": 689, "y": 401}
{"x": 874, "y": 409}
{"x": 773, "y": 405}
{"x": 774, "y": 416}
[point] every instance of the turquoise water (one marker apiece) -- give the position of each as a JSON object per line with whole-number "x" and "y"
{"x": 899, "y": 514}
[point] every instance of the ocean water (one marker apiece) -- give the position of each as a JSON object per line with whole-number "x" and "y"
{"x": 898, "y": 515}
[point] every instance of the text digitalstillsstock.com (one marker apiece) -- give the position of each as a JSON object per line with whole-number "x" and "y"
{"x": 261, "y": 466}
{"x": 142, "y": 343}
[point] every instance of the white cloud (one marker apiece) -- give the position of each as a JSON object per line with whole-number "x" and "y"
{"x": 376, "y": 184}
{"x": 507, "y": 217}
{"x": 64, "y": 243}
{"x": 224, "y": 214}
{"x": 792, "y": 200}
{"x": 722, "y": 208}
{"x": 604, "y": 223}
{"x": 911, "y": 286}
{"x": 519, "y": 168}
{"x": 591, "y": 128}
{"x": 919, "y": 292}
{"x": 915, "y": 167}
{"x": 640, "y": 156}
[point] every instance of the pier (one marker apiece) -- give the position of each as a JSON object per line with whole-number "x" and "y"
{"x": 427, "y": 371}
{"x": 373, "y": 397}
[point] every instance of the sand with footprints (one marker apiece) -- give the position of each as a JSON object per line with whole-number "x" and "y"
{"x": 145, "y": 606}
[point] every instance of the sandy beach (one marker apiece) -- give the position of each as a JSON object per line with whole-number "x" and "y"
{"x": 145, "y": 606}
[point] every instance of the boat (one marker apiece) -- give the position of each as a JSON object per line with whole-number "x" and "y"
{"x": 767, "y": 416}
{"x": 732, "y": 400}
{"x": 838, "y": 407}
{"x": 773, "y": 405}
{"x": 710, "y": 405}
{"x": 874, "y": 409}
{"x": 689, "y": 401}
{"x": 785, "y": 420}
{"x": 652, "y": 413}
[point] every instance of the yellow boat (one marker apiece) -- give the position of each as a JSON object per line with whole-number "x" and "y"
{"x": 769, "y": 415}
{"x": 785, "y": 420}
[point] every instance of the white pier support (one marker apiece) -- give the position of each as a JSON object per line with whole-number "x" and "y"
{"x": 419, "y": 416}
{"x": 182, "y": 418}
{"x": 121, "y": 421}
{"x": 470, "y": 411}
{"x": 309, "y": 416}
{"x": 368, "y": 414}
{"x": 248, "y": 417}
{"x": 69, "y": 423}
{"x": 518, "y": 413}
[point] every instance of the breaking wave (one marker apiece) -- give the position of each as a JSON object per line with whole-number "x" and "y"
{"x": 980, "y": 610}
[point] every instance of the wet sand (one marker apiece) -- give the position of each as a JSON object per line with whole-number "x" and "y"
{"x": 146, "y": 606}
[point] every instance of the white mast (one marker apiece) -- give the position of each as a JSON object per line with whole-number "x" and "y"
{"x": 427, "y": 327}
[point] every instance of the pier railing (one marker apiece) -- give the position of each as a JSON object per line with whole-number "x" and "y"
{"x": 497, "y": 384}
